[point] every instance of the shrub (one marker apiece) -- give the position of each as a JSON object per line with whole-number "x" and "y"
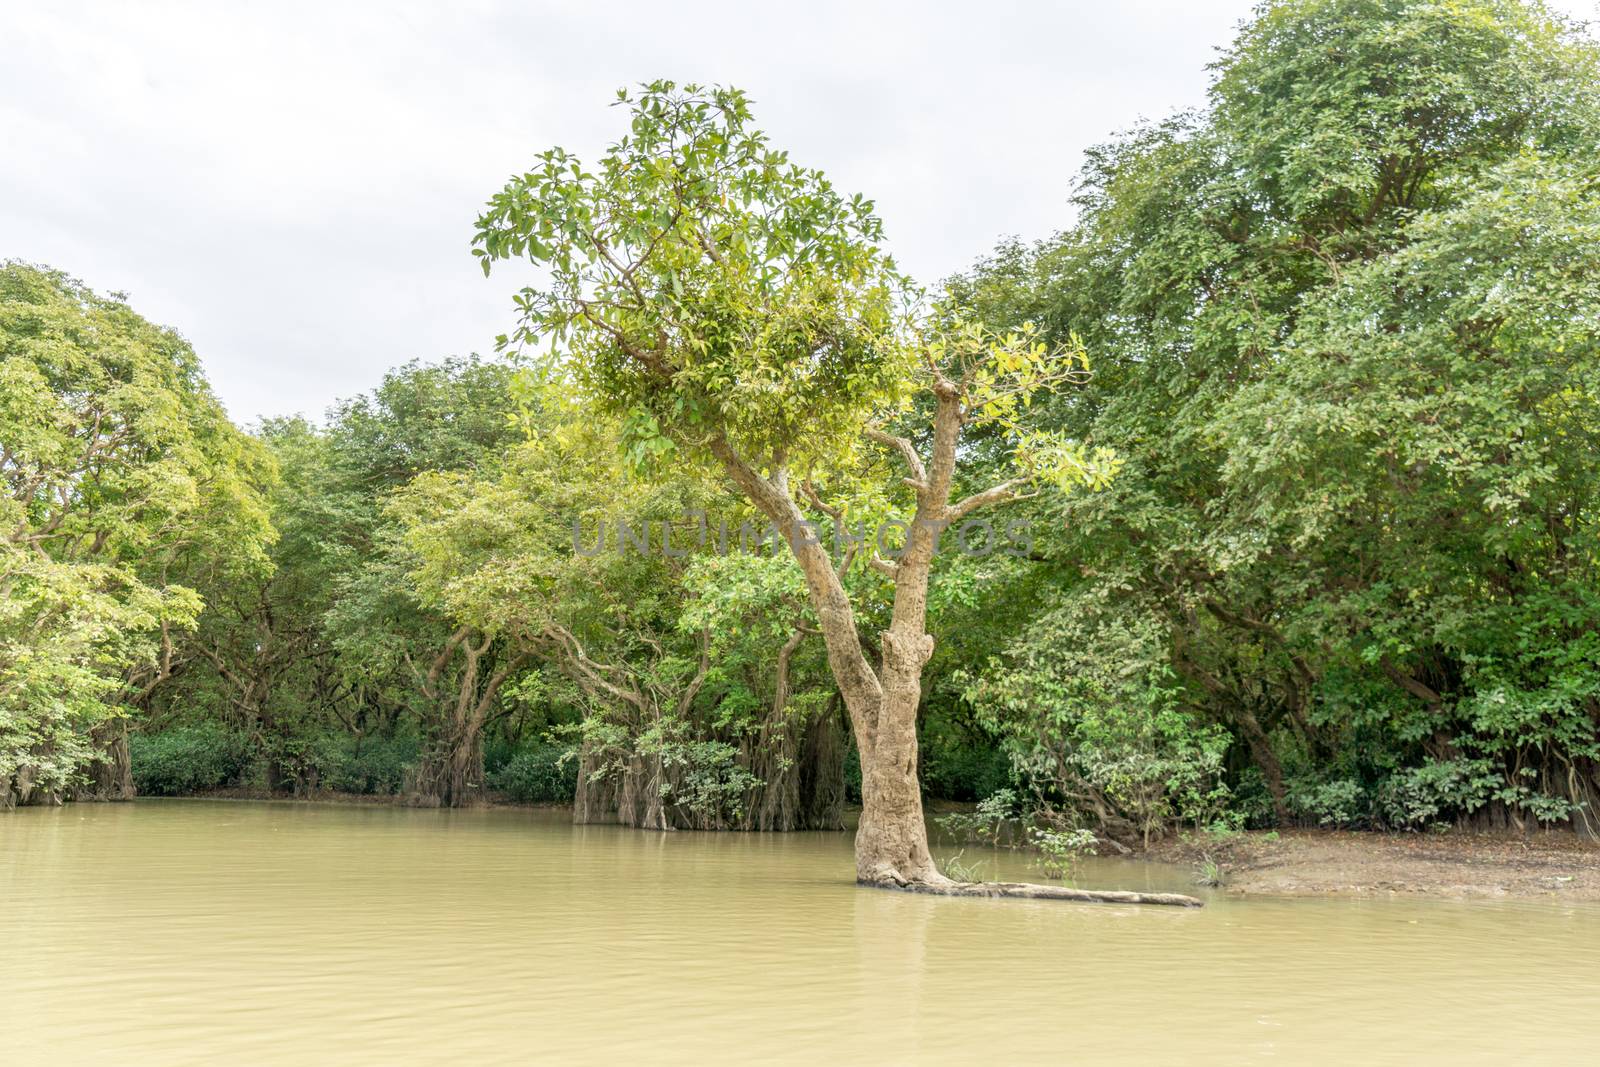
{"x": 497, "y": 752}
{"x": 190, "y": 759}
{"x": 1090, "y": 711}
{"x": 542, "y": 774}
{"x": 710, "y": 783}
{"x": 1438, "y": 791}
{"x": 1339, "y": 802}
{"x": 373, "y": 765}
{"x": 986, "y": 823}
{"x": 309, "y": 763}
{"x": 1060, "y": 850}
{"x": 1252, "y": 800}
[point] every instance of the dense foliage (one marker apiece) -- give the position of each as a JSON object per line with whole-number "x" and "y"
{"x": 1300, "y": 416}
{"x": 1345, "y": 332}
{"x": 123, "y": 487}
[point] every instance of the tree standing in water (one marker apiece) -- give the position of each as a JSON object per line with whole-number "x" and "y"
{"x": 729, "y": 305}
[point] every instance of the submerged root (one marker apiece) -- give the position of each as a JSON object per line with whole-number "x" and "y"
{"x": 945, "y": 887}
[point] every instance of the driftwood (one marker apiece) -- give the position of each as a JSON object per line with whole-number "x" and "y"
{"x": 1030, "y": 891}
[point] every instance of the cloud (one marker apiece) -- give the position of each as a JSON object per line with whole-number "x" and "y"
{"x": 293, "y": 185}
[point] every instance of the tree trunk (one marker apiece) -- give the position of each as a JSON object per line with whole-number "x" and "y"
{"x": 822, "y": 771}
{"x": 451, "y": 775}
{"x": 22, "y": 789}
{"x": 639, "y": 798}
{"x": 1030, "y": 891}
{"x": 772, "y": 755}
{"x": 1271, "y": 770}
{"x": 110, "y": 776}
{"x": 892, "y": 838}
{"x": 595, "y": 799}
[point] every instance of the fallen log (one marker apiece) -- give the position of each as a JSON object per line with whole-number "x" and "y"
{"x": 1030, "y": 891}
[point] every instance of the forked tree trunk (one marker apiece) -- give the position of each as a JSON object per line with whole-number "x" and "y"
{"x": 892, "y": 838}
{"x": 451, "y": 774}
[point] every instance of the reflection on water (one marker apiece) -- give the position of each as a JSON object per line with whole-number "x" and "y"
{"x": 204, "y": 932}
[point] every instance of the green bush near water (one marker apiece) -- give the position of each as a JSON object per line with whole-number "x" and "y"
{"x": 373, "y": 765}
{"x": 198, "y": 759}
{"x": 537, "y": 775}
{"x": 192, "y": 759}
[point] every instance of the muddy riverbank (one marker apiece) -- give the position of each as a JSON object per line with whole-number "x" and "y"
{"x": 1456, "y": 865}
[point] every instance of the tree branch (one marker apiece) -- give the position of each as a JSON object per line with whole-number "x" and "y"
{"x": 888, "y": 568}
{"x": 1005, "y": 492}
{"x": 1422, "y": 692}
{"x": 908, "y": 452}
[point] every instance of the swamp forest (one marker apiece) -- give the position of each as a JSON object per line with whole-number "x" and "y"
{"x": 1256, "y": 511}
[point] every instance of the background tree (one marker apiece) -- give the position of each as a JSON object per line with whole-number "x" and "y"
{"x": 122, "y": 480}
{"x": 1342, "y": 339}
{"x": 769, "y": 688}
{"x": 317, "y": 666}
{"x": 570, "y": 559}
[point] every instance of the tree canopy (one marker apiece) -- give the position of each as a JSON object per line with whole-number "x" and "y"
{"x": 125, "y": 484}
{"x": 1343, "y": 334}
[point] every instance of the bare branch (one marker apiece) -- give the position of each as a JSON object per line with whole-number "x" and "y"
{"x": 846, "y": 560}
{"x": 590, "y": 674}
{"x": 810, "y": 492}
{"x": 887, "y": 568}
{"x": 1422, "y": 692}
{"x": 1000, "y": 494}
{"x": 908, "y": 452}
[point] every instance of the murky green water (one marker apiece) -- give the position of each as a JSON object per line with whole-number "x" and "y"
{"x": 170, "y": 932}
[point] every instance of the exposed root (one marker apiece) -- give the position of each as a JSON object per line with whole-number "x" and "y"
{"x": 944, "y": 887}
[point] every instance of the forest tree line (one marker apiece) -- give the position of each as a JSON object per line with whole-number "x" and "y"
{"x": 1301, "y": 413}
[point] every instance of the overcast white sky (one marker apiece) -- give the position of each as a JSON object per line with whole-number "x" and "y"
{"x": 293, "y": 185}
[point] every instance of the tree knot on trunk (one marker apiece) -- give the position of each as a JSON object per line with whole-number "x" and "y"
{"x": 906, "y": 651}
